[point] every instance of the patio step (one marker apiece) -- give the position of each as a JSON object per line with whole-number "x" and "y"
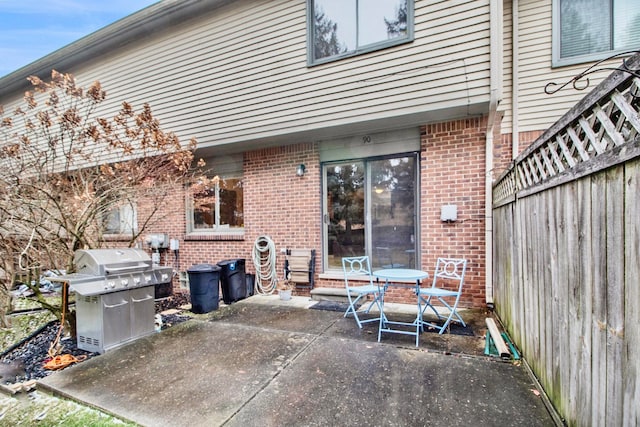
{"x": 330, "y": 294}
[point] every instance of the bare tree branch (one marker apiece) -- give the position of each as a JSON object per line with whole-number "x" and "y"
{"x": 64, "y": 170}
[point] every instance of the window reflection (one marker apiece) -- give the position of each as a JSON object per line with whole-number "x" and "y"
{"x": 345, "y": 208}
{"x": 381, "y": 20}
{"x": 344, "y": 26}
{"x": 217, "y": 204}
{"x": 393, "y": 213}
{"x": 371, "y": 209}
{"x": 120, "y": 220}
{"x": 595, "y": 26}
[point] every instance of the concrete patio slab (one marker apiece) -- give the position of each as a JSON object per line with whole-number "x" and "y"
{"x": 276, "y": 364}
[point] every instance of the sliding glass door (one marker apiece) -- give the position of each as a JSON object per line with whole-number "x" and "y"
{"x": 392, "y": 212}
{"x": 370, "y": 209}
{"x": 344, "y": 219}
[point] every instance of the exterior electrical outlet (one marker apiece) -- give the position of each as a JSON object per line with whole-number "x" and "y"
{"x": 158, "y": 241}
{"x": 449, "y": 213}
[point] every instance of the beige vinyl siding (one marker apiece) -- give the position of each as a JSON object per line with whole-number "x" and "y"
{"x": 240, "y": 73}
{"x": 537, "y": 110}
{"x": 506, "y": 102}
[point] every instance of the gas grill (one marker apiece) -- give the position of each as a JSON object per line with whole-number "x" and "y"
{"x": 115, "y": 291}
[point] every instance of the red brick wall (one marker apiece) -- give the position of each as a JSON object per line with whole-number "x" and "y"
{"x": 502, "y": 150}
{"x": 280, "y": 204}
{"x": 503, "y": 153}
{"x": 452, "y": 172}
{"x": 287, "y": 208}
{"x": 277, "y": 203}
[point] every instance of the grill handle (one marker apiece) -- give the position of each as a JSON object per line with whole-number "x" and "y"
{"x": 148, "y": 297}
{"x": 116, "y": 305}
{"x": 110, "y": 270}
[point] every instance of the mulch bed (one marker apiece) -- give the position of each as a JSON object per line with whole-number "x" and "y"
{"x": 25, "y": 360}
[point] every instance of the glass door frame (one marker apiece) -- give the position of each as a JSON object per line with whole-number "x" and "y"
{"x": 368, "y": 217}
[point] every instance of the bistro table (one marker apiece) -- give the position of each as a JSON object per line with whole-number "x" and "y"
{"x": 394, "y": 277}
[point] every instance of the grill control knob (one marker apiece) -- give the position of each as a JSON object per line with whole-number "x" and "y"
{"x": 136, "y": 281}
{"x": 111, "y": 284}
{"x": 124, "y": 282}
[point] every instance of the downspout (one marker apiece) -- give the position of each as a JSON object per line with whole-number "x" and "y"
{"x": 495, "y": 81}
{"x": 488, "y": 202}
{"x": 515, "y": 146}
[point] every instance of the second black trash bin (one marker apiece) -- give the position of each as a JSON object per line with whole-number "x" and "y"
{"x": 233, "y": 280}
{"x": 204, "y": 285}
{"x": 251, "y": 284}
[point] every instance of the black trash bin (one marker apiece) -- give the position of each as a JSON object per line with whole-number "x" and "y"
{"x": 251, "y": 284}
{"x": 233, "y": 280}
{"x": 204, "y": 285}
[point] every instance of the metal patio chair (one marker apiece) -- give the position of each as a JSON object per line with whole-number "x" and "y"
{"x": 448, "y": 271}
{"x": 360, "y": 267}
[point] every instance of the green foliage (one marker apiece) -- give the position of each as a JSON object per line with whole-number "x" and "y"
{"x": 45, "y": 410}
{"x": 22, "y": 326}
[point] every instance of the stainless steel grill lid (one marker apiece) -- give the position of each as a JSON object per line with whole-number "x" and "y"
{"x": 101, "y": 271}
{"x": 105, "y": 262}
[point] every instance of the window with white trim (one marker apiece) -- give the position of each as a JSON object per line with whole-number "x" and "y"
{"x": 341, "y": 28}
{"x": 215, "y": 205}
{"x": 120, "y": 220}
{"x": 589, "y": 30}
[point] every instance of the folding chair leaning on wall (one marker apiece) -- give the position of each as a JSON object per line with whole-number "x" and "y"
{"x": 299, "y": 267}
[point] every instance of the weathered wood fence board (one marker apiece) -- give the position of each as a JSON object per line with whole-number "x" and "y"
{"x": 598, "y": 331}
{"x": 615, "y": 291}
{"x": 631, "y": 358}
{"x": 568, "y": 291}
{"x": 584, "y": 306}
{"x": 567, "y": 256}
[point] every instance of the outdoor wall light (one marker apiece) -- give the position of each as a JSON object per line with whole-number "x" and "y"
{"x": 300, "y": 170}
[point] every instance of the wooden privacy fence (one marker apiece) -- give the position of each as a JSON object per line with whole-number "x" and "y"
{"x": 566, "y": 221}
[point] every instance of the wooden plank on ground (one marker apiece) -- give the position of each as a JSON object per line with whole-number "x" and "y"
{"x": 498, "y": 341}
